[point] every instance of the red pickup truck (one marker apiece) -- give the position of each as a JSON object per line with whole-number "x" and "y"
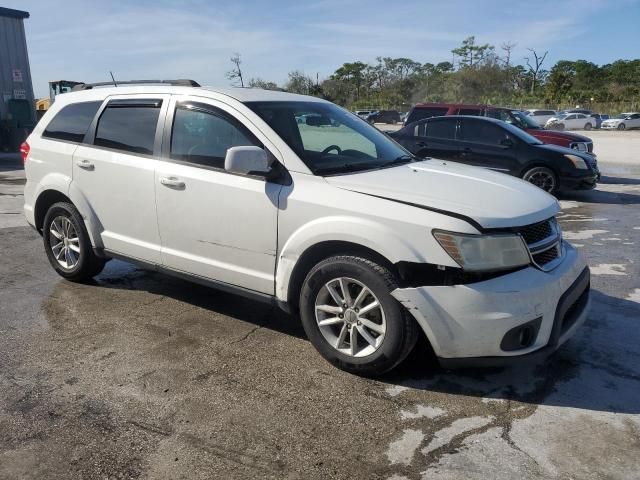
{"x": 509, "y": 115}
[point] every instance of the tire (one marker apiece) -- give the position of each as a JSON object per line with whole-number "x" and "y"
{"x": 560, "y": 126}
{"x": 542, "y": 177}
{"x": 63, "y": 222}
{"x": 395, "y": 333}
{"x": 588, "y": 126}
{"x": 622, "y": 126}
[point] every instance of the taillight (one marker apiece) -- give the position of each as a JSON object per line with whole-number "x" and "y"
{"x": 24, "y": 151}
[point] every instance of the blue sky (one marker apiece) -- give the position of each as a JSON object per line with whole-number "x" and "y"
{"x": 195, "y": 38}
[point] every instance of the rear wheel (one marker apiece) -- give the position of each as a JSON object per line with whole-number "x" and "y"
{"x": 350, "y": 317}
{"x": 543, "y": 178}
{"x": 622, "y": 126}
{"x": 67, "y": 244}
{"x": 588, "y": 126}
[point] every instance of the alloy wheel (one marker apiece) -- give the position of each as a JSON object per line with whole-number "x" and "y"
{"x": 64, "y": 242}
{"x": 543, "y": 180}
{"x": 350, "y": 317}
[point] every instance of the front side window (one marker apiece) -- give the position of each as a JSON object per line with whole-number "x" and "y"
{"x": 482, "y": 132}
{"x": 203, "y": 136}
{"x": 129, "y": 126}
{"x": 328, "y": 139}
{"x": 72, "y": 122}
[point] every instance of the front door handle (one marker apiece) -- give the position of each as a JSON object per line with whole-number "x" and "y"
{"x": 85, "y": 164}
{"x": 172, "y": 182}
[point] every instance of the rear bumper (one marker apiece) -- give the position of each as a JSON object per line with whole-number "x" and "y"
{"x": 468, "y": 324}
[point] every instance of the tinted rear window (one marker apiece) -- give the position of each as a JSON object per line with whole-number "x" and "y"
{"x": 470, "y": 111}
{"x": 427, "y": 112}
{"x": 128, "y": 127}
{"x": 72, "y": 122}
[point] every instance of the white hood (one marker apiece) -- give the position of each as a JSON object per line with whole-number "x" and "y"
{"x": 492, "y": 199}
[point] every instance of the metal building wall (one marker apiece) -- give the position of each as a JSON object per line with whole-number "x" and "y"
{"x": 13, "y": 56}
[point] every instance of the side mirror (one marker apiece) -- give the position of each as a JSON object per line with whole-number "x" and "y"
{"x": 506, "y": 142}
{"x": 246, "y": 160}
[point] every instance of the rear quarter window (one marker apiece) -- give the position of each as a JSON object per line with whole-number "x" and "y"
{"x": 72, "y": 122}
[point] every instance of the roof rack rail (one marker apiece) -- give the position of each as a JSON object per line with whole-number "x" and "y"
{"x": 180, "y": 82}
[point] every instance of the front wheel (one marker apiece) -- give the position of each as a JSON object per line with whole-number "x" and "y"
{"x": 67, "y": 244}
{"x": 588, "y": 126}
{"x": 350, "y": 317}
{"x": 543, "y": 178}
{"x": 622, "y": 126}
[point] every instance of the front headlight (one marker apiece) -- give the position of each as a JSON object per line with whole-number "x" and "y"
{"x": 484, "y": 252}
{"x": 578, "y": 162}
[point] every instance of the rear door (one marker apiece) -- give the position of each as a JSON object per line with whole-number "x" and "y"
{"x": 485, "y": 144}
{"x": 114, "y": 170}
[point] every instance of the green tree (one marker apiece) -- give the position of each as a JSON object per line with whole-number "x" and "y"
{"x": 471, "y": 54}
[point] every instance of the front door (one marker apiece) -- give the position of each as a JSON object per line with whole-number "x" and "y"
{"x": 214, "y": 224}
{"x": 485, "y": 144}
{"x": 114, "y": 171}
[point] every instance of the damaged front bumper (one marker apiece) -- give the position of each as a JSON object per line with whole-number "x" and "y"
{"x": 528, "y": 313}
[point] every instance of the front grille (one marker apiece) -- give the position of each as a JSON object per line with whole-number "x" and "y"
{"x": 536, "y": 232}
{"x": 544, "y": 242}
{"x": 543, "y": 258}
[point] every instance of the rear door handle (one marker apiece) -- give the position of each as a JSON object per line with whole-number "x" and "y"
{"x": 85, "y": 164}
{"x": 172, "y": 182}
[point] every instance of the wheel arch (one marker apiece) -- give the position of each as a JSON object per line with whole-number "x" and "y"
{"x": 45, "y": 199}
{"x": 320, "y": 251}
{"x": 538, "y": 163}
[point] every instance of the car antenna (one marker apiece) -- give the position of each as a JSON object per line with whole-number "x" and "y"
{"x": 113, "y": 78}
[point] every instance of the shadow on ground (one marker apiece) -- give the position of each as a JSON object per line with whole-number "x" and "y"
{"x": 597, "y": 370}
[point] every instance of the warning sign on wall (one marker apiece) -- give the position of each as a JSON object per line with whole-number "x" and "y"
{"x": 17, "y": 75}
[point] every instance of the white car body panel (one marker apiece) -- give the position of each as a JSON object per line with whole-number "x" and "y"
{"x": 539, "y": 118}
{"x": 631, "y": 120}
{"x": 250, "y": 233}
{"x": 506, "y": 200}
{"x": 573, "y": 121}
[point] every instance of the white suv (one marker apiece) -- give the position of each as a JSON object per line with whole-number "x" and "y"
{"x": 328, "y": 217}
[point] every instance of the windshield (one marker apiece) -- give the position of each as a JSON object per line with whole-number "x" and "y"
{"x": 514, "y": 117}
{"x": 328, "y": 139}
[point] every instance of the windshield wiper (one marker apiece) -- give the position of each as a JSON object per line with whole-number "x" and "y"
{"x": 399, "y": 161}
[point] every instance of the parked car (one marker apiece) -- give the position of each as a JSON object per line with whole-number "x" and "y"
{"x": 571, "y": 121}
{"x": 585, "y": 111}
{"x": 339, "y": 225}
{"x": 540, "y": 116}
{"x": 497, "y": 145}
{"x": 623, "y": 121}
{"x": 514, "y": 117}
{"x": 599, "y": 118}
{"x": 363, "y": 113}
{"x": 384, "y": 116}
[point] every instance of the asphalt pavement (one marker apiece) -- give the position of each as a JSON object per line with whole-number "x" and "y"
{"x": 140, "y": 375}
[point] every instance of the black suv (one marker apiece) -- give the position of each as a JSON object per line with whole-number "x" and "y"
{"x": 490, "y": 143}
{"x": 384, "y": 116}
